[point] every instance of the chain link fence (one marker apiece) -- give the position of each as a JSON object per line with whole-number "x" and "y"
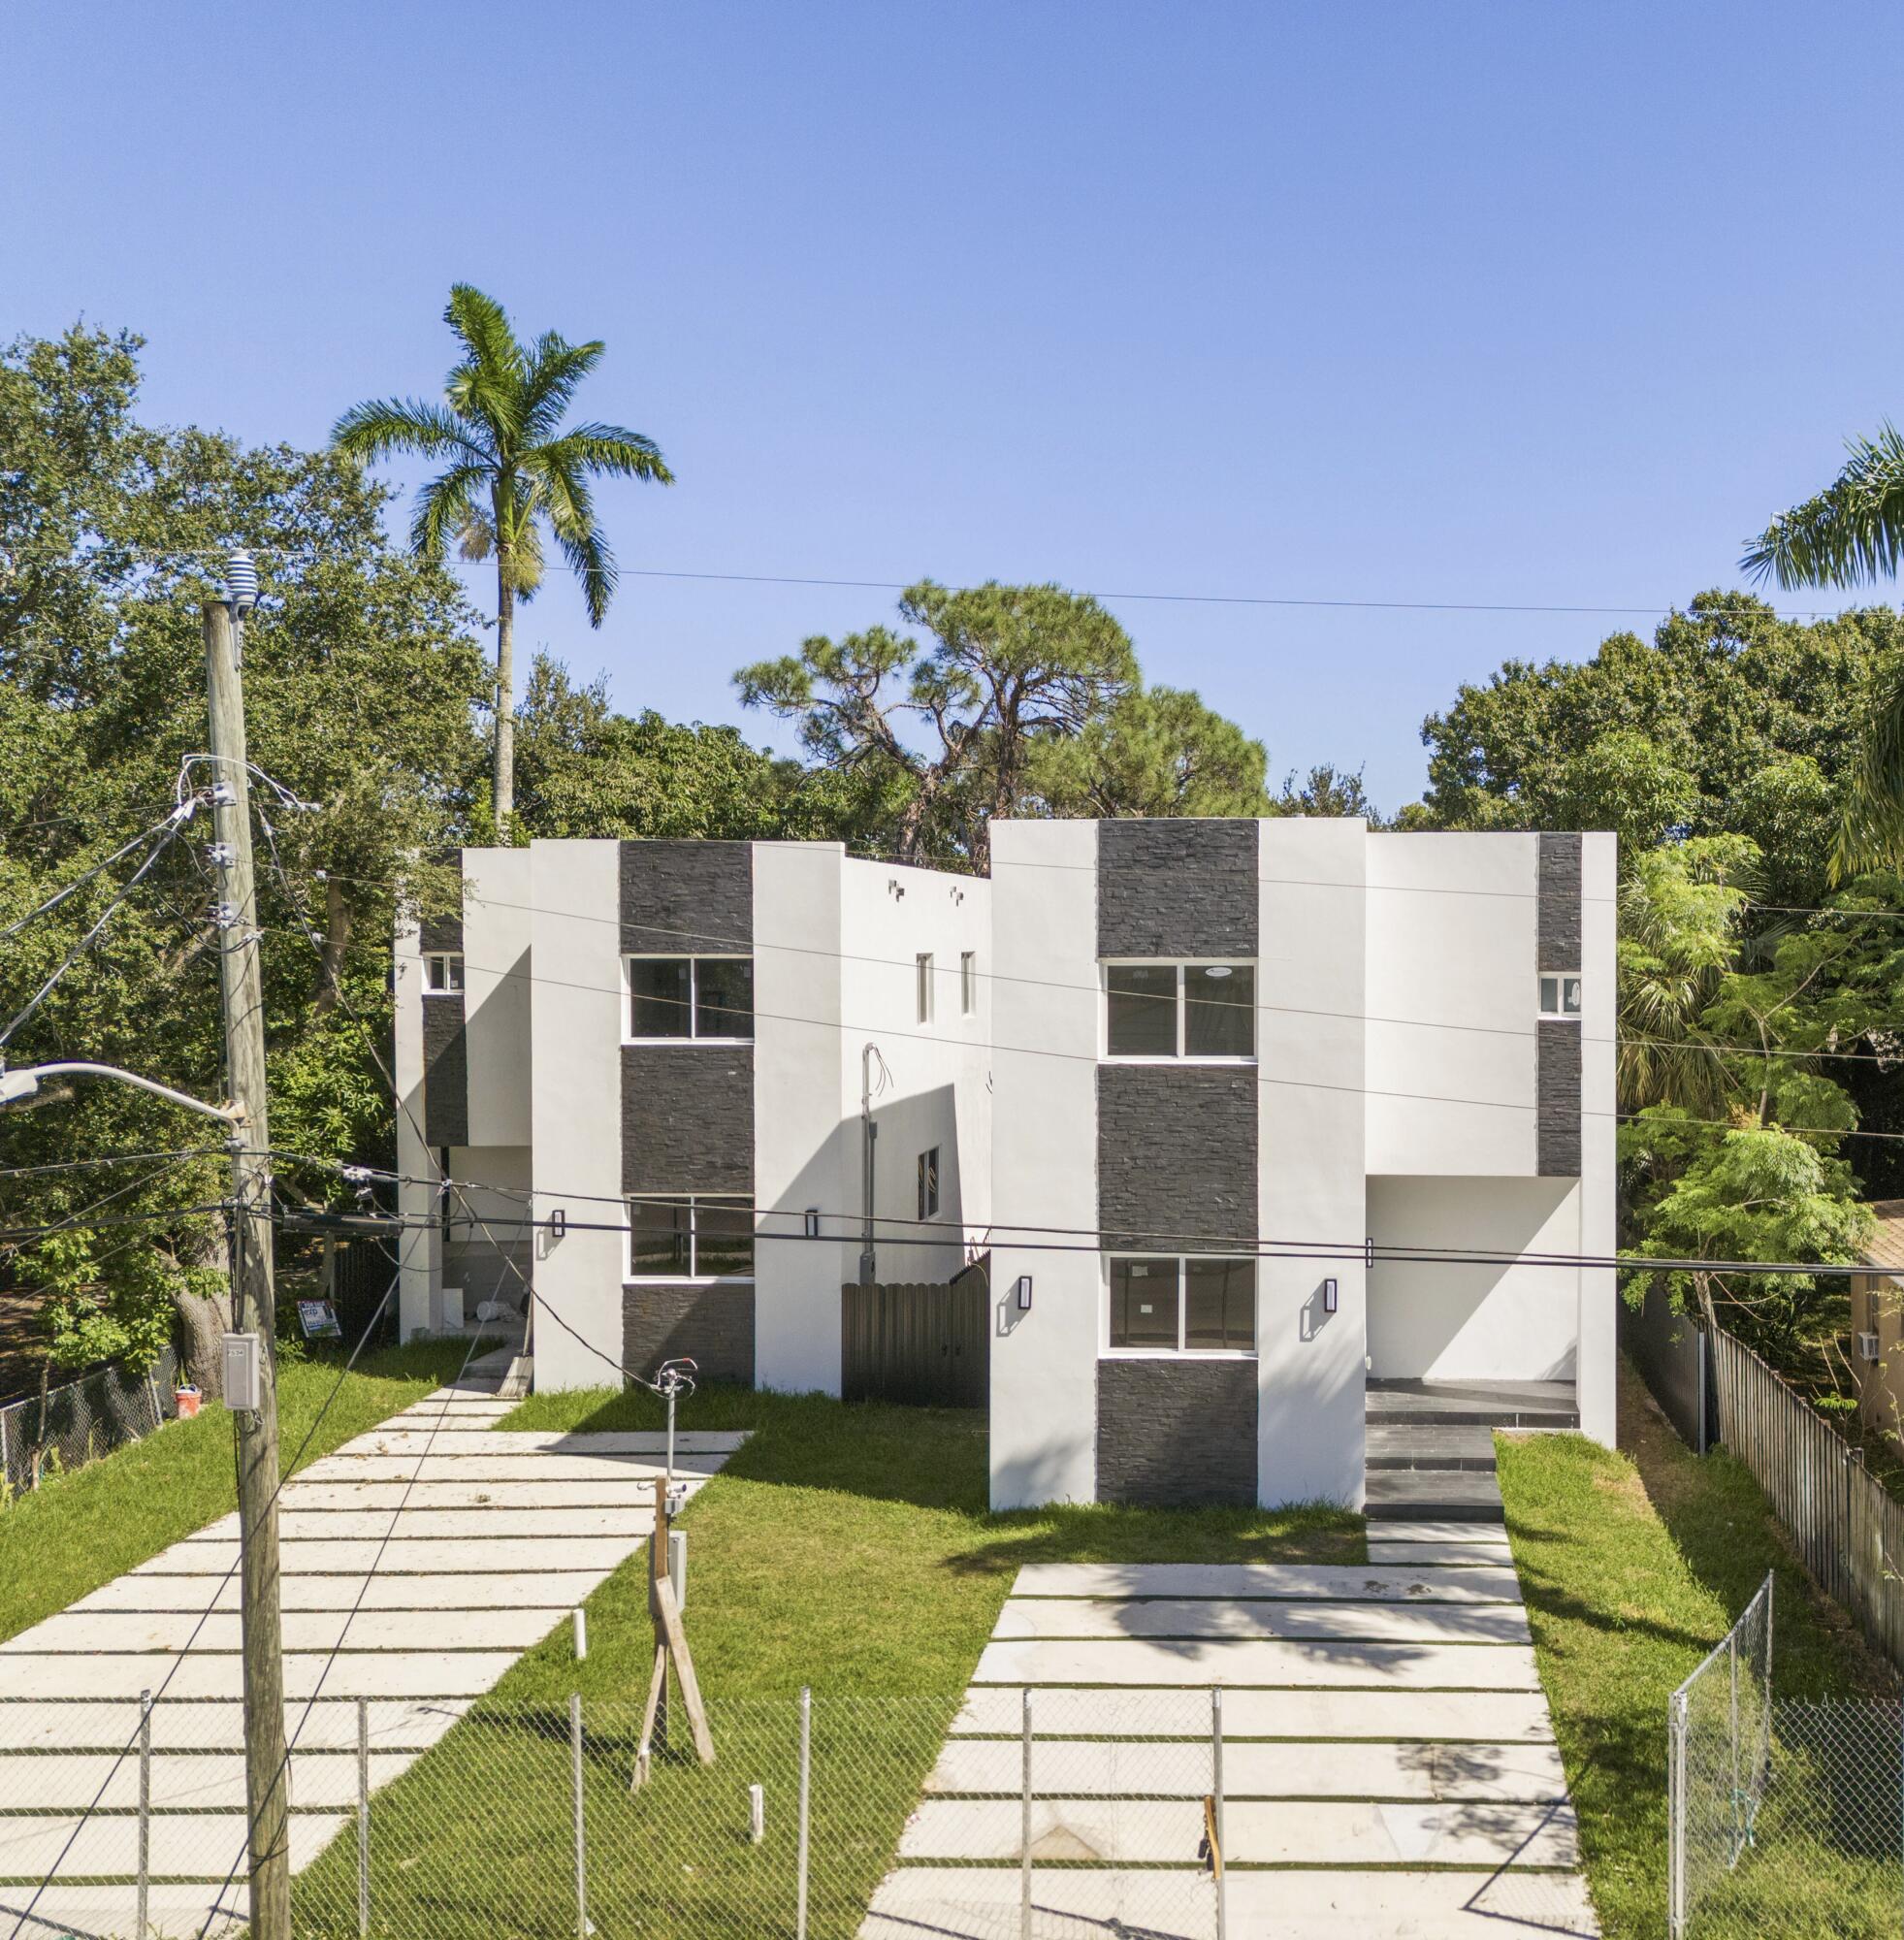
{"x": 1087, "y": 1812}
{"x": 78, "y": 1421}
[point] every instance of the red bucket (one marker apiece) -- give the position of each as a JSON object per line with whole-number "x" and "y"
{"x": 189, "y": 1400}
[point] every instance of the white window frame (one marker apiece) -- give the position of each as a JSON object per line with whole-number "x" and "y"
{"x": 693, "y": 958}
{"x": 1180, "y": 964}
{"x": 1180, "y": 1352}
{"x": 929, "y": 1184}
{"x": 923, "y": 991}
{"x": 443, "y": 973}
{"x": 1560, "y": 978}
{"x": 968, "y": 982}
{"x": 629, "y": 1277}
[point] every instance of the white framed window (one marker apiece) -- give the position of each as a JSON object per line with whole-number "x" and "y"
{"x": 671, "y": 997}
{"x": 968, "y": 982}
{"x": 1181, "y": 1304}
{"x": 928, "y": 1184}
{"x": 923, "y": 979}
{"x": 443, "y": 973}
{"x": 1559, "y": 994}
{"x": 690, "y": 1236}
{"x": 1156, "y": 1008}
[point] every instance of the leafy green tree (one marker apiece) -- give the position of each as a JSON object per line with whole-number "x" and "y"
{"x": 512, "y": 470}
{"x": 1157, "y": 751}
{"x": 1327, "y": 791}
{"x": 951, "y": 724}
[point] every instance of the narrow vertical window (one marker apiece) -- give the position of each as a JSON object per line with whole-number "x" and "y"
{"x": 923, "y": 967}
{"x": 928, "y": 1184}
{"x": 968, "y": 980}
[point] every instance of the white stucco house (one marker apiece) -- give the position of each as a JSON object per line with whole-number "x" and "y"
{"x": 1226, "y": 1125}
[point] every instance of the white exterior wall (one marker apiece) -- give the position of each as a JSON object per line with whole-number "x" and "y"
{"x": 1599, "y": 1294}
{"x": 575, "y": 1011}
{"x": 498, "y": 894}
{"x": 1311, "y": 1136}
{"x": 1045, "y": 1029}
{"x": 799, "y": 1147}
{"x": 1451, "y": 1003}
{"x": 1469, "y": 1320}
{"x": 419, "y": 1245}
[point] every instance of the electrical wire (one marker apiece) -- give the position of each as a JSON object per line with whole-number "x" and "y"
{"x": 80, "y": 882}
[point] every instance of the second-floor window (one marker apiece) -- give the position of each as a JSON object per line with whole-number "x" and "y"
{"x": 1559, "y": 994}
{"x": 690, "y": 997}
{"x": 443, "y": 973}
{"x": 923, "y": 986}
{"x": 1180, "y": 1010}
{"x": 690, "y": 1236}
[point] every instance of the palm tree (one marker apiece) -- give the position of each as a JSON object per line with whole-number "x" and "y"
{"x": 1852, "y": 534}
{"x": 511, "y": 470}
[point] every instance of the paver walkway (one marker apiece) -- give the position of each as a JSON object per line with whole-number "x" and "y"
{"x": 480, "y": 1542}
{"x": 1389, "y": 1765}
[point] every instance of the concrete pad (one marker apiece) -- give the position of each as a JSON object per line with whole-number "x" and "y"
{"x": 1257, "y": 1832}
{"x": 183, "y": 1845}
{"x": 454, "y": 1673}
{"x": 506, "y": 1556}
{"x": 542, "y": 1590}
{"x": 452, "y": 1468}
{"x": 181, "y": 1782}
{"x": 1351, "y": 1583}
{"x": 1085, "y": 1767}
{"x": 1479, "y": 1666}
{"x": 1397, "y": 1716}
{"x": 165, "y": 1634}
{"x": 1407, "y": 1531}
{"x": 980, "y": 1903}
{"x": 344, "y": 1525}
{"x": 328, "y": 1725}
{"x": 1165, "y": 1617}
{"x": 102, "y": 1912}
{"x": 506, "y": 1442}
{"x": 629, "y": 1492}
{"x": 1477, "y": 1557}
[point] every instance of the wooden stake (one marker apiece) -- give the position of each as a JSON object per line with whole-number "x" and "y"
{"x": 684, "y": 1669}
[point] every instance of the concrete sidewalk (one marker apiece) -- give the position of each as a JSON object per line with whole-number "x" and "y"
{"x": 419, "y": 1562}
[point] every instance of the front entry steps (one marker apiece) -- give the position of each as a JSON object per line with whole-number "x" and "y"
{"x": 1431, "y": 1443}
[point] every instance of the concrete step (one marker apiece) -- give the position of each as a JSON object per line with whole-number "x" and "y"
{"x": 1433, "y": 1495}
{"x": 1549, "y": 1405}
{"x": 1421, "y": 1445}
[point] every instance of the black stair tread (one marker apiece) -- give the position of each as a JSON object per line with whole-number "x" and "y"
{"x": 1429, "y": 1445}
{"x": 1432, "y": 1495}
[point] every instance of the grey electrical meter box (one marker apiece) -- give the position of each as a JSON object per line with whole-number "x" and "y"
{"x": 243, "y": 1374}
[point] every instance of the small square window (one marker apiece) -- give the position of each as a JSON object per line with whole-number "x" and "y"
{"x": 1559, "y": 994}
{"x": 923, "y": 973}
{"x": 1144, "y": 1303}
{"x": 443, "y": 973}
{"x": 1141, "y": 1010}
{"x": 928, "y": 1184}
{"x": 723, "y": 996}
{"x": 1220, "y": 1010}
{"x": 968, "y": 980}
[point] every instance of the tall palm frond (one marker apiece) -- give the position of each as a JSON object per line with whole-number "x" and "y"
{"x": 1853, "y": 532}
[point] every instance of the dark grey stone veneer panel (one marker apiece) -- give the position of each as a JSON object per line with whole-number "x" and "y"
{"x": 1171, "y": 1433}
{"x": 1556, "y": 1112}
{"x": 445, "y": 1071}
{"x": 688, "y": 898}
{"x": 1177, "y": 1154}
{"x": 1556, "y": 1043}
{"x": 712, "y": 1325}
{"x": 1560, "y": 902}
{"x": 439, "y": 932}
{"x": 688, "y": 1117}
{"x": 1181, "y": 887}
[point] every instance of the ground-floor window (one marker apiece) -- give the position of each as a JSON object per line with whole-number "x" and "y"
{"x": 690, "y": 1236}
{"x": 1194, "y": 1303}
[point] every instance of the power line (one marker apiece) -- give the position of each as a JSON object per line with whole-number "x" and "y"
{"x": 80, "y": 882}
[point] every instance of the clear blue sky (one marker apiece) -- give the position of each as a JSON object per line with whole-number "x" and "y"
{"x": 1477, "y": 302}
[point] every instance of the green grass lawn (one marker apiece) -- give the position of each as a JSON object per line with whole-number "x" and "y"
{"x": 845, "y": 1548}
{"x": 80, "y": 1530}
{"x": 1633, "y": 1565}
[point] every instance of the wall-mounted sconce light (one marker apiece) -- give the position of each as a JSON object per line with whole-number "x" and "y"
{"x": 558, "y": 1223}
{"x": 1331, "y": 1296}
{"x": 1022, "y": 1289}
{"x": 813, "y": 1222}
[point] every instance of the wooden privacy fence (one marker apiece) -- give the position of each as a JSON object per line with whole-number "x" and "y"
{"x": 1846, "y": 1530}
{"x": 925, "y": 1345}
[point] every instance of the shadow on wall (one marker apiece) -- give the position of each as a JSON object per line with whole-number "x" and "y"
{"x": 1473, "y": 1320}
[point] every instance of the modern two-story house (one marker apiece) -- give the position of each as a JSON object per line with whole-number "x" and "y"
{"x": 1232, "y": 1119}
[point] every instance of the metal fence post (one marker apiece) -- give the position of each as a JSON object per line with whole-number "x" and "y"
{"x": 1219, "y": 1867}
{"x": 581, "y": 1848}
{"x": 1732, "y": 1654}
{"x": 143, "y": 1926}
{"x": 5, "y": 1453}
{"x": 363, "y": 1817}
{"x": 1676, "y": 1816}
{"x": 806, "y": 1801}
{"x": 1025, "y": 1829}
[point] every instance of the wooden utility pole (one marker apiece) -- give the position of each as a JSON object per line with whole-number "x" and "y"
{"x": 267, "y": 1775}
